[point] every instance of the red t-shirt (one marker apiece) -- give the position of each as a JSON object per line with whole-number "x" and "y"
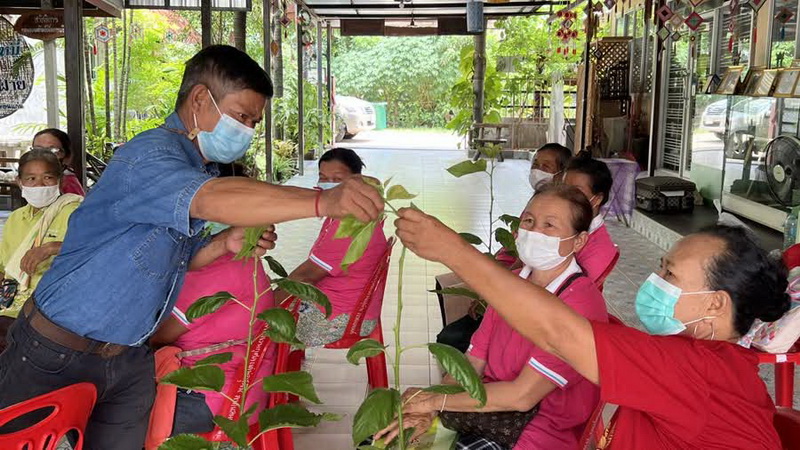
{"x": 676, "y": 392}
{"x": 344, "y": 288}
{"x": 71, "y": 185}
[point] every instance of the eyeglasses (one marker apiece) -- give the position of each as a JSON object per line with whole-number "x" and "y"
{"x": 55, "y": 150}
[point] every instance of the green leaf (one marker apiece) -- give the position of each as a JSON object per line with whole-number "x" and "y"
{"x": 203, "y": 378}
{"x": 457, "y": 291}
{"x": 448, "y": 389}
{"x": 457, "y": 365}
{"x": 187, "y": 442}
{"x": 276, "y": 267}
{"x": 467, "y": 167}
{"x": 281, "y": 325}
{"x": 398, "y": 192}
{"x": 207, "y": 305}
{"x": 364, "y": 348}
{"x": 413, "y": 206}
{"x": 305, "y": 291}
{"x": 388, "y": 180}
{"x": 506, "y": 239}
{"x": 471, "y": 238}
{"x": 511, "y": 222}
{"x": 235, "y": 429}
{"x": 298, "y": 383}
{"x": 251, "y": 237}
{"x": 375, "y": 414}
{"x": 349, "y": 227}
{"x": 291, "y": 415}
{"x": 219, "y": 358}
{"x": 358, "y": 245}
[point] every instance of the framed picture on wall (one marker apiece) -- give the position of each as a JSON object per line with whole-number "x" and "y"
{"x": 730, "y": 81}
{"x": 786, "y": 82}
{"x": 752, "y": 80}
{"x": 765, "y": 83}
{"x": 712, "y": 84}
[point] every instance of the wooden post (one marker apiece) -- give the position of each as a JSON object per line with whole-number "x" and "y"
{"x": 655, "y": 112}
{"x": 267, "y": 35}
{"x": 300, "y": 111}
{"x": 478, "y": 83}
{"x": 328, "y": 78}
{"x": 205, "y": 22}
{"x": 321, "y": 131}
{"x": 586, "y": 68}
{"x": 73, "y": 73}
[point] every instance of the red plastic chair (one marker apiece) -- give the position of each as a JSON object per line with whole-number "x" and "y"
{"x": 72, "y": 407}
{"x": 280, "y": 439}
{"x": 602, "y": 279}
{"x": 787, "y": 423}
{"x": 785, "y": 362}
{"x": 376, "y": 365}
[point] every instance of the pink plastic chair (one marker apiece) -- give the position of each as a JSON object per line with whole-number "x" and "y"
{"x": 376, "y": 365}
{"x": 71, "y": 408}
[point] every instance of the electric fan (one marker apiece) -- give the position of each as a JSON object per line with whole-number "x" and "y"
{"x": 782, "y": 165}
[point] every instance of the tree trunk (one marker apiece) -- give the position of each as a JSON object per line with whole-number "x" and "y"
{"x": 89, "y": 88}
{"x": 116, "y": 83}
{"x": 126, "y": 76}
{"x": 122, "y": 112}
{"x": 277, "y": 67}
{"x": 240, "y": 31}
{"x": 107, "y": 80}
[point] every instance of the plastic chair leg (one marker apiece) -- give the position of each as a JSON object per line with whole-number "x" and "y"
{"x": 784, "y": 384}
{"x": 376, "y": 372}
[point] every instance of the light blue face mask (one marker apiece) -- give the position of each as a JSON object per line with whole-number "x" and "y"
{"x": 655, "y": 306}
{"x": 229, "y": 140}
{"x": 325, "y": 185}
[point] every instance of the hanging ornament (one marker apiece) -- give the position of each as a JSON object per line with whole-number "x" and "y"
{"x": 734, "y": 7}
{"x": 696, "y": 3}
{"x": 610, "y": 4}
{"x": 676, "y": 20}
{"x": 693, "y": 21}
{"x": 665, "y": 13}
{"x": 274, "y": 48}
{"x": 784, "y": 16}
{"x": 676, "y": 36}
{"x": 663, "y": 33}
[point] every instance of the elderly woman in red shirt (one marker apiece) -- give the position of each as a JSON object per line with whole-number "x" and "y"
{"x": 686, "y": 384}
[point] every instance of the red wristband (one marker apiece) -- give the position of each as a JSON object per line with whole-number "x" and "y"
{"x": 316, "y": 201}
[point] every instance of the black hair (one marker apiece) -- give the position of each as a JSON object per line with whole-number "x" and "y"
{"x": 66, "y": 143}
{"x": 756, "y": 283}
{"x": 40, "y": 154}
{"x": 345, "y": 156}
{"x": 223, "y": 69}
{"x": 596, "y": 170}
{"x": 563, "y": 154}
{"x": 580, "y": 207}
{"x": 232, "y": 170}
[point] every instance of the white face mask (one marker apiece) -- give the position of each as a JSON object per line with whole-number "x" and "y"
{"x": 40, "y": 196}
{"x": 538, "y": 176}
{"x": 540, "y": 251}
{"x": 325, "y": 185}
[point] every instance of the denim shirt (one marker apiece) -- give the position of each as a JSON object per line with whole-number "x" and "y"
{"x": 128, "y": 245}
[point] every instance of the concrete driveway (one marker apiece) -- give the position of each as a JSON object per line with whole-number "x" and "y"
{"x": 400, "y": 139}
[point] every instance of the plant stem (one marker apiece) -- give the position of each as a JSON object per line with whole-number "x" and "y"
{"x": 397, "y": 350}
{"x": 245, "y": 385}
{"x": 491, "y": 203}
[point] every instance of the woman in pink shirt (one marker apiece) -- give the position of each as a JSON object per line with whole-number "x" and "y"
{"x": 59, "y": 142}
{"x": 517, "y": 374}
{"x": 323, "y": 266}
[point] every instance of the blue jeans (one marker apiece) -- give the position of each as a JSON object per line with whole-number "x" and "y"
{"x": 33, "y": 365}
{"x": 192, "y": 415}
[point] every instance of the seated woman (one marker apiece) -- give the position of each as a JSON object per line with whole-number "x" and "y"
{"x": 32, "y": 235}
{"x": 519, "y": 374}
{"x": 222, "y": 331}
{"x": 550, "y": 160}
{"x": 685, "y": 384}
{"x": 59, "y": 142}
{"x": 591, "y": 177}
{"x": 322, "y": 268}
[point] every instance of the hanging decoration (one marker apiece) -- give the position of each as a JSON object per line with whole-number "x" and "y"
{"x": 663, "y": 33}
{"x": 566, "y": 34}
{"x": 665, "y": 13}
{"x": 16, "y": 69}
{"x": 693, "y": 21}
{"x": 102, "y": 34}
{"x": 783, "y": 17}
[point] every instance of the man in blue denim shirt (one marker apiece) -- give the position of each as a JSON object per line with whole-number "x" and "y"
{"x": 129, "y": 245}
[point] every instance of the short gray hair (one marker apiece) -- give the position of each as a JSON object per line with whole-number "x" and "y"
{"x": 41, "y": 154}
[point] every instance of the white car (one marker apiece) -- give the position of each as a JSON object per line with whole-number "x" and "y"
{"x": 353, "y": 116}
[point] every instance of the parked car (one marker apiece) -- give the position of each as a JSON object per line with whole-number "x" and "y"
{"x": 353, "y": 116}
{"x": 746, "y": 116}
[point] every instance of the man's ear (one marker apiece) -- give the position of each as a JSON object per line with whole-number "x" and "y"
{"x": 198, "y": 97}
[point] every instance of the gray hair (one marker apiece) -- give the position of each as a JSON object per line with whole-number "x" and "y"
{"x": 41, "y": 154}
